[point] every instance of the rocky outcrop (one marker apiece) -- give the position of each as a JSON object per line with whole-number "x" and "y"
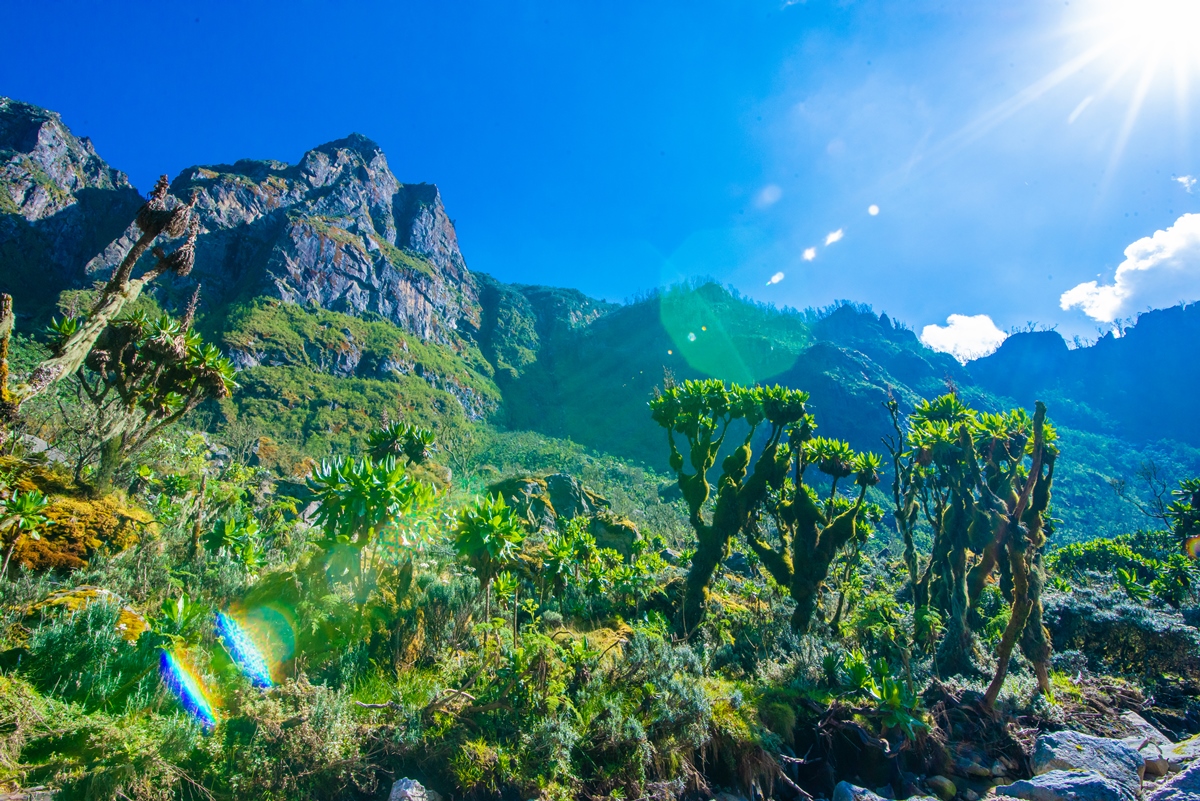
{"x": 412, "y": 790}
{"x": 551, "y": 501}
{"x": 1067, "y": 785}
{"x": 1072, "y": 750}
{"x": 1184, "y": 787}
{"x": 59, "y": 202}
{"x": 337, "y": 231}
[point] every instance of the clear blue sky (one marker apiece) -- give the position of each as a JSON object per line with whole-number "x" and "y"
{"x": 616, "y": 146}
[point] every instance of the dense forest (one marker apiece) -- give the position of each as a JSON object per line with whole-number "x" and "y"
{"x": 293, "y": 505}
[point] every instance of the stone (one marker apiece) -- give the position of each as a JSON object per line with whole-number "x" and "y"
{"x": 943, "y": 787}
{"x": 845, "y": 791}
{"x": 412, "y": 790}
{"x": 1184, "y": 751}
{"x": 1184, "y": 787}
{"x": 1067, "y": 785}
{"x": 739, "y": 564}
{"x": 1151, "y": 743}
{"x": 1072, "y": 750}
{"x": 971, "y": 795}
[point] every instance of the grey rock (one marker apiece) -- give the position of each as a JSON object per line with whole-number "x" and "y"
{"x": 738, "y": 563}
{"x": 1067, "y": 785}
{"x": 943, "y": 787}
{"x": 1184, "y": 751}
{"x": 1184, "y": 787}
{"x": 1072, "y": 750}
{"x": 1151, "y": 743}
{"x": 59, "y": 201}
{"x": 845, "y": 791}
{"x": 412, "y": 790}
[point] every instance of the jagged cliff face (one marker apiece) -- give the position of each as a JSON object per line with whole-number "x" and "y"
{"x": 59, "y": 201}
{"x": 43, "y": 166}
{"x": 337, "y": 231}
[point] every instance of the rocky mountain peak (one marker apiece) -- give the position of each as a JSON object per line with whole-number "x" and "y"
{"x": 43, "y": 165}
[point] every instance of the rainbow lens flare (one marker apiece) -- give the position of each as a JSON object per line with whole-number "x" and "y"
{"x": 1191, "y": 546}
{"x": 243, "y": 651}
{"x": 184, "y": 685}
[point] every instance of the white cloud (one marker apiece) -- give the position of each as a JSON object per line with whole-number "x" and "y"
{"x": 768, "y": 196}
{"x": 873, "y": 210}
{"x": 1158, "y": 271}
{"x": 834, "y": 236}
{"x": 1187, "y": 182}
{"x": 810, "y": 254}
{"x": 964, "y": 337}
{"x": 775, "y": 279}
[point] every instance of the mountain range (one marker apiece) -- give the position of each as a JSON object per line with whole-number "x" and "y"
{"x": 341, "y": 294}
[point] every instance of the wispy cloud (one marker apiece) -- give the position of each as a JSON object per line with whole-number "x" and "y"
{"x": 1158, "y": 271}
{"x": 1187, "y": 182}
{"x": 1087, "y": 101}
{"x": 775, "y": 279}
{"x": 964, "y": 337}
{"x": 834, "y": 236}
{"x": 768, "y": 196}
{"x": 810, "y": 254}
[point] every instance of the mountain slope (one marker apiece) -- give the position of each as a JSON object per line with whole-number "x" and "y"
{"x": 1142, "y": 384}
{"x": 59, "y": 202}
{"x": 342, "y": 296}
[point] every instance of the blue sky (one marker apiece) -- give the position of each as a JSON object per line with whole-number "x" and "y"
{"x": 618, "y": 146}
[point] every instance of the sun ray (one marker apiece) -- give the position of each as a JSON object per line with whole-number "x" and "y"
{"x": 1131, "y": 115}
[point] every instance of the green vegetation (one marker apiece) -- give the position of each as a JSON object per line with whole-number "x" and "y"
{"x": 506, "y": 613}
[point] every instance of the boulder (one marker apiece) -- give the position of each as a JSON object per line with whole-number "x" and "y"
{"x": 845, "y": 791}
{"x": 943, "y": 787}
{"x": 1151, "y": 743}
{"x": 1183, "y": 751}
{"x": 1072, "y": 750}
{"x": 412, "y": 790}
{"x": 1184, "y": 787}
{"x": 1067, "y": 785}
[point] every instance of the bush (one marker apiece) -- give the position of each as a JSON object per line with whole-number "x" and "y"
{"x": 1124, "y": 636}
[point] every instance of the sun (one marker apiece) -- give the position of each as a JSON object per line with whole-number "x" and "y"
{"x": 1160, "y": 30}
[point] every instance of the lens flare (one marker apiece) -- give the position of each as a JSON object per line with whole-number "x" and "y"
{"x": 243, "y": 651}
{"x": 186, "y": 687}
{"x": 1191, "y": 546}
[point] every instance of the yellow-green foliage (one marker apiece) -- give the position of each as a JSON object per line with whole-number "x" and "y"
{"x": 21, "y": 710}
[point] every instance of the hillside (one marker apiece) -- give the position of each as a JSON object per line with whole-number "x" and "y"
{"x": 341, "y": 295}
{"x": 366, "y": 524}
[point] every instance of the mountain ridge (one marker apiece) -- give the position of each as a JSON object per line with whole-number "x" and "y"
{"x": 341, "y": 294}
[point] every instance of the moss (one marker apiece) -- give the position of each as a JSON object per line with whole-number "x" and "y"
{"x": 79, "y": 528}
{"x": 403, "y": 258}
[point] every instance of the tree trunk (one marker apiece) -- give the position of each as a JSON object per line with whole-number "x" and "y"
{"x": 111, "y": 457}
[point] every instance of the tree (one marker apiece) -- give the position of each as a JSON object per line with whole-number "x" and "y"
{"x": 982, "y": 483}
{"x": 143, "y": 375}
{"x": 701, "y": 412}
{"x": 160, "y": 215}
{"x": 21, "y": 515}
{"x": 809, "y": 536}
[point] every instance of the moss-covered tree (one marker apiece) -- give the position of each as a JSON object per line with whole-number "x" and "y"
{"x": 701, "y": 413}
{"x": 810, "y": 533}
{"x": 981, "y": 482}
